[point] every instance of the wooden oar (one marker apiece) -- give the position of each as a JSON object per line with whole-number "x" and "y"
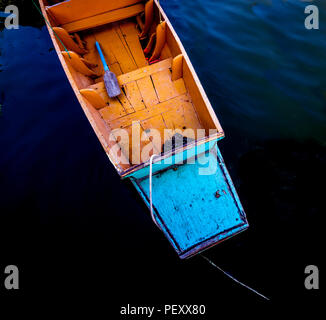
{"x": 110, "y": 80}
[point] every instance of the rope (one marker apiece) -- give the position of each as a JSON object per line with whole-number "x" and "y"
{"x": 150, "y": 188}
{"x": 159, "y": 11}
{"x": 234, "y": 279}
{"x": 40, "y": 12}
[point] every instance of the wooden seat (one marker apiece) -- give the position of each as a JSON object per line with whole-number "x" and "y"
{"x": 145, "y": 87}
{"x": 145, "y": 71}
{"x": 77, "y": 15}
{"x": 104, "y": 18}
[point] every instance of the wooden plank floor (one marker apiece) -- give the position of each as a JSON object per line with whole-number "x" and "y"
{"x": 149, "y": 99}
{"x": 120, "y": 45}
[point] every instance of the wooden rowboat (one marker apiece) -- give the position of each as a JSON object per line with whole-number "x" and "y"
{"x": 162, "y": 110}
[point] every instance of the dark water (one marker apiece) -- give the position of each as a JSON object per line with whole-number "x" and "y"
{"x": 75, "y": 230}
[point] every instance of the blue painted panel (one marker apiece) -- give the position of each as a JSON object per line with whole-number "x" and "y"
{"x": 196, "y": 205}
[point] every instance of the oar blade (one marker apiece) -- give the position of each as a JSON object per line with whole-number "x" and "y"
{"x": 111, "y": 84}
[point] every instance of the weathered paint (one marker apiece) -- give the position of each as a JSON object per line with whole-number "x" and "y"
{"x": 195, "y": 211}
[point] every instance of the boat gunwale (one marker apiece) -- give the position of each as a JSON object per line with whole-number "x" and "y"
{"x": 191, "y": 68}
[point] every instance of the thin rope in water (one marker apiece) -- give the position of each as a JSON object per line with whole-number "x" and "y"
{"x": 234, "y": 279}
{"x": 40, "y": 12}
{"x": 208, "y": 260}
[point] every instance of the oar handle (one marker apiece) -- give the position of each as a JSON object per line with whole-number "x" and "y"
{"x": 106, "y": 68}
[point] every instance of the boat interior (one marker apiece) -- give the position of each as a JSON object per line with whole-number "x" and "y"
{"x": 159, "y": 89}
